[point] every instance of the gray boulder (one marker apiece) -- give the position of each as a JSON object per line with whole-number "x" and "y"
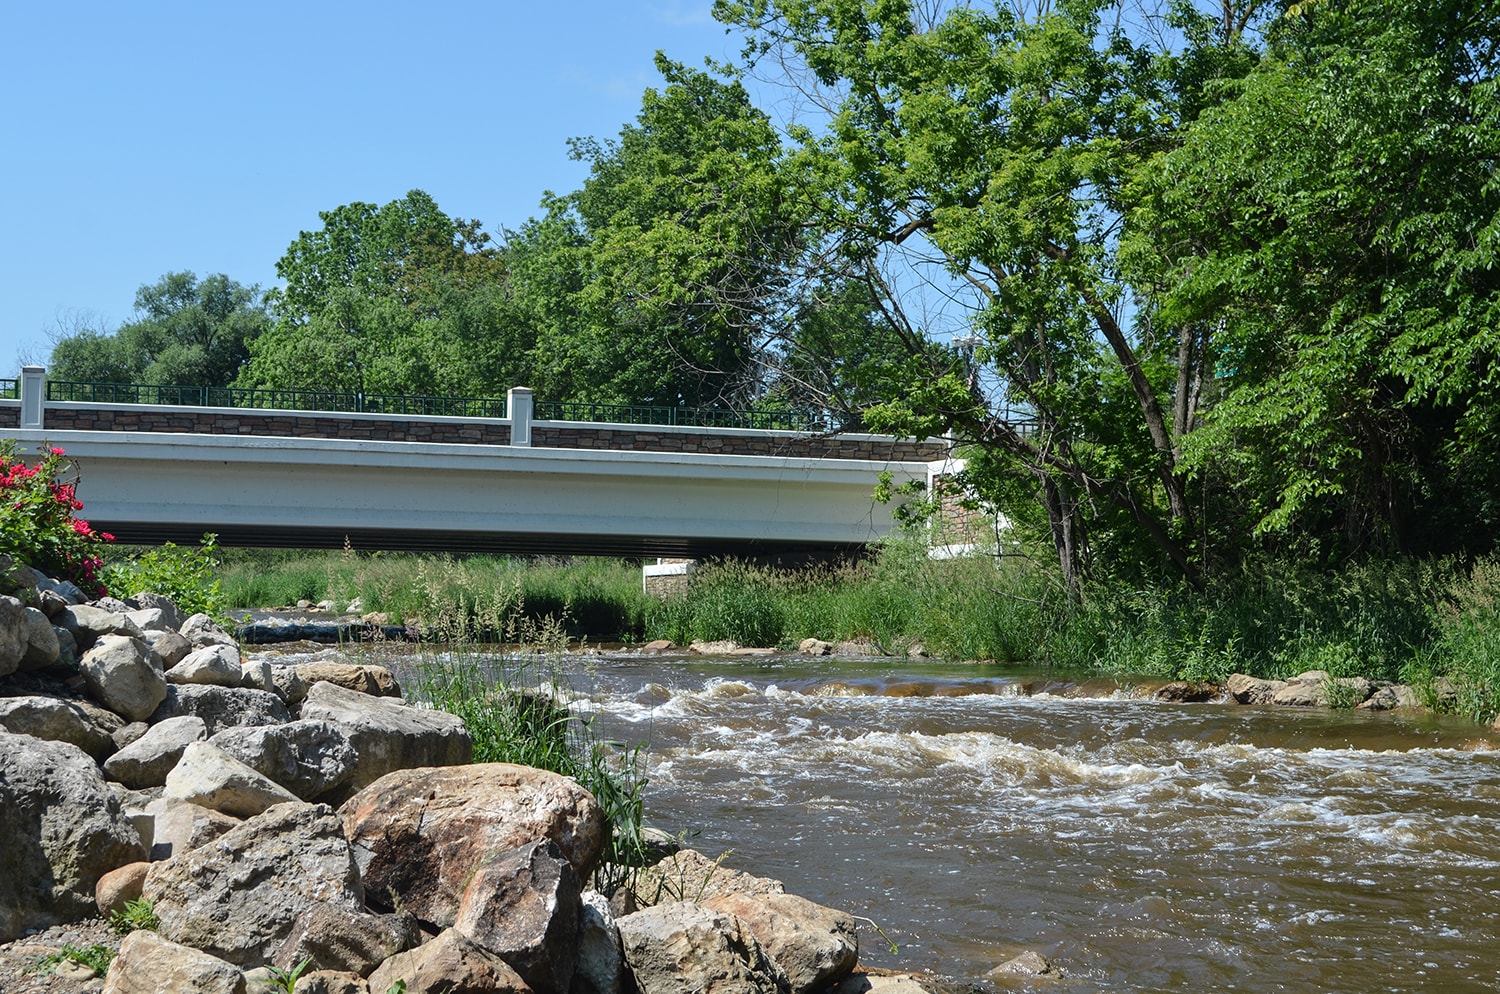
{"x": 178, "y": 826}
{"x": 335, "y": 937}
{"x": 63, "y": 829}
{"x": 42, "y": 646}
{"x": 452, "y": 964}
{"x": 88, "y": 624}
{"x": 150, "y": 964}
{"x": 222, "y": 707}
{"x": 524, "y": 905}
{"x": 124, "y": 675}
{"x": 388, "y": 734}
{"x": 307, "y": 757}
{"x": 171, "y": 615}
{"x": 600, "y": 966}
{"x": 13, "y": 634}
{"x": 147, "y": 761}
{"x": 206, "y": 776}
{"x": 201, "y": 630}
{"x": 65, "y": 591}
{"x": 682, "y": 948}
{"x": 212, "y": 665}
{"x": 59, "y": 720}
{"x": 240, "y": 898}
{"x": 1247, "y": 689}
{"x": 170, "y": 646}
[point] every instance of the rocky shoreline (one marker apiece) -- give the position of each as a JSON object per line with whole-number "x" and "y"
{"x": 303, "y": 826}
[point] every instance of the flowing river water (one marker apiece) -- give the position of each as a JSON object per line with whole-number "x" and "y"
{"x": 975, "y": 813}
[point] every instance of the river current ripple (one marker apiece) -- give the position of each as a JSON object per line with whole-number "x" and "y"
{"x": 975, "y": 813}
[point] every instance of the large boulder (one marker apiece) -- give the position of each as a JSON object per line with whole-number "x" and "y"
{"x": 240, "y": 898}
{"x": 1246, "y": 689}
{"x": 813, "y": 947}
{"x": 201, "y": 630}
{"x": 306, "y": 757}
{"x": 13, "y": 634}
{"x": 171, "y": 615}
{"x": 42, "y": 645}
{"x": 524, "y": 905}
{"x": 177, "y": 826}
{"x": 150, "y": 964}
{"x": 421, "y": 834}
{"x": 122, "y": 673}
{"x": 683, "y": 948}
{"x": 88, "y": 624}
{"x": 146, "y": 762}
{"x": 688, "y": 875}
{"x": 61, "y": 829}
{"x": 388, "y": 734}
{"x": 374, "y": 680}
{"x": 222, "y": 707}
{"x": 60, "y": 720}
{"x": 451, "y": 964}
{"x": 206, "y": 776}
{"x": 212, "y": 665}
{"x": 600, "y": 966}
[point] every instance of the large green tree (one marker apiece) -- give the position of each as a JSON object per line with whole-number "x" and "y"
{"x": 1334, "y": 222}
{"x": 186, "y": 332}
{"x": 393, "y": 299}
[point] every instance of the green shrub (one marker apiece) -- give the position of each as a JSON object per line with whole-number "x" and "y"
{"x": 190, "y": 576}
{"x": 137, "y": 915}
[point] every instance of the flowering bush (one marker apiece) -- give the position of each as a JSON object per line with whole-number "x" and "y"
{"x": 37, "y": 522}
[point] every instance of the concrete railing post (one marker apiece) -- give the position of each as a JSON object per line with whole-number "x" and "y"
{"x": 519, "y": 404}
{"x": 33, "y": 394}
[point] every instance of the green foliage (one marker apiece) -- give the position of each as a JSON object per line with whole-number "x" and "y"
{"x": 96, "y": 958}
{"x": 136, "y": 915}
{"x": 286, "y": 980}
{"x": 38, "y": 526}
{"x": 190, "y": 576}
{"x": 186, "y": 333}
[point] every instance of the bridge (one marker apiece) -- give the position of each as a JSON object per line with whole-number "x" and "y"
{"x": 378, "y": 474}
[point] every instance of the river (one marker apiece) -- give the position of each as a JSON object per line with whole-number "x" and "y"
{"x": 974, "y": 813}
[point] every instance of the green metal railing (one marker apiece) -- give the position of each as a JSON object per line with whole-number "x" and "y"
{"x": 286, "y": 400}
{"x": 10, "y": 389}
{"x": 693, "y": 417}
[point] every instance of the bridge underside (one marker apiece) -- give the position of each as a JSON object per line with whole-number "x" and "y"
{"x": 496, "y": 543}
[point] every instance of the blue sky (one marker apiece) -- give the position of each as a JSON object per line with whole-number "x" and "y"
{"x": 152, "y": 137}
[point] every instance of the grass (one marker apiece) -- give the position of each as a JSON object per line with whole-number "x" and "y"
{"x": 137, "y": 915}
{"x": 96, "y": 958}
{"x": 1423, "y": 622}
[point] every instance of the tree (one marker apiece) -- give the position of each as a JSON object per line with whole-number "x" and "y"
{"x": 1334, "y": 220}
{"x": 393, "y": 299}
{"x": 989, "y": 151}
{"x": 186, "y": 333}
{"x": 673, "y": 255}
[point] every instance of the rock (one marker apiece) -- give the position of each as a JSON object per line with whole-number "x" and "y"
{"x": 814, "y": 647}
{"x": 291, "y": 687}
{"x": 306, "y": 757}
{"x": 523, "y": 905}
{"x": 659, "y": 645}
{"x": 1252, "y": 690}
{"x": 241, "y": 897}
{"x": 64, "y": 590}
{"x": 1028, "y": 964}
{"x": 63, "y": 829}
{"x": 422, "y": 833}
{"x": 682, "y": 948}
{"x": 127, "y": 734}
{"x": 893, "y": 983}
{"x": 201, "y": 630}
{"x": 150, "y": 964}
{"x": 334, "y": 937}
{"x": 212, "y": 665}
{"x": 119, "y": 886}
{"x": 452, "y": 964}
{"x": 178, "y": 826}
{"x": 147, "y": 620}
{"x": 600, "y": 967}
{"x": 172, "y": 647}
{"x": 171, "y": 614}
{"x": 111, "y": 604}
{"x": 1299, "y": 695}
{"x": 122, "y": 673}
{"x": 42, "y": 645}
{"x": 331, "y": 982}
{"x": 207, "y": 777}
{"x": 811, "y": 946}
{"x": 376, "y": 681}
{"x": 387, "y": 733}
{"x": 88, "y": 624}
{"x": 16, "y": 576}
{"x": 147, "y": 761}
{"x": 688, "y": 875}
{"x": 1186, "y": 692}
{"x": 747, "y": 650}
{"x": 1390, "y": 698}
{"x": 222, "y": 707}
{"x": 13, "y": 634}
{"x": 720, "y": 647}
{"x": 57, "y": 719}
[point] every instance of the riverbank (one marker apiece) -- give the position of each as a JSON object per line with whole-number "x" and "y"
{"x": 1431, "y": 625}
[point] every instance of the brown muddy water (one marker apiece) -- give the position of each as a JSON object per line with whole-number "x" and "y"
{"x": 975, "y": 813}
